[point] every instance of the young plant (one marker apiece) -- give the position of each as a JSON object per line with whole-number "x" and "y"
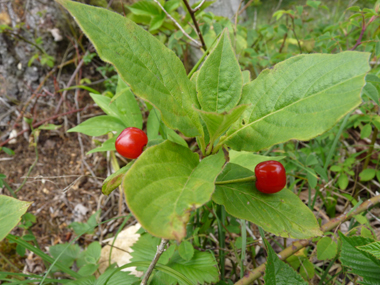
{"x": 300, "y": 98}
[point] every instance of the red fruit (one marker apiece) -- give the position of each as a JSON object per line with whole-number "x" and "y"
{"x": 131, "y": 142}
{"x": 270, "y": 177}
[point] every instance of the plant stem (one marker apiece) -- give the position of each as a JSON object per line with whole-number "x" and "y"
{"x": 239, "y": 180}
{"x": 243, "y": 246}
{"x": 192, "y": 14}
{"x": 160, "y": 250}
{"x": 221, "y": 212}
{"x": 370, "y": 150}
{"x": 295, "y": 35}
{"x": 296, "y": 246}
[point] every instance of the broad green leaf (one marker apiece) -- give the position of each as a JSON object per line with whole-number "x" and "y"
{"x": 218, "y": 123}
{"x": 89, "y": 280}
{"x": 250, "y": 160}
{"x": 367, "y": 174}
{"x": 69, "y": 255}
{"x": 282, "y": 213}
{"x": 200, "y": 269}
{"x": 153, "y": 72}
{"x": 360, "y": 262}
{"x": 128, "y": 107}
{"x": 114, "y": 180}
{"x": 300, "y": 98}
{"x": 106, "y": 105}
{"x": 11, "y": 211}
{"x": 165, "y": 183}
{"x": 99, "y": 125}
{"x": 220, "y": 81}
{"x": 371, "y": 91}
{"x": 186, "y": 250}
{"x": 278, "y": 272}
{"x": 312, "y": 177}
{"x": 88, "y": 269}
{"x": 326, "y": 248}
{"x": 366, "y": 131}
{"x": 371, "y": 248}
{"x": 172, "y": 5}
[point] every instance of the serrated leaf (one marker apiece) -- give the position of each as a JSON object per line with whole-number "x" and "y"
{"x": 114, "y": 180}
{"x": 371, "y": 248}
{"x": 367, "y": 174}
{"x": 278, "y": 272}
{"x": 106, "y": 146}
{"x": 220, "y": 81}
{"x": 300, "y": 98}
{"x": 218, "y": 123}
{"x": 282, "y": 213}
{"x": 11, "y": 211}
{"x": 153, "y": 72}
{"x": 249, "y": 160}
{"x": 113, "y": 276}
{"x": 69, "y": 255}
{"x": 186, "y": 250}
{"x": 166, "y": 183}
{"x": 99, "y": 125}
{"x": 360, "y": 262}
{"x": 326, "y": 248}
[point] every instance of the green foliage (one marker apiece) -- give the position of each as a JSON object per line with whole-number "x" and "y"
{"x": 361, "y": 262}
{"x": 326, "y": 248}
{"x": 11, "y": 211}
{"x": 114, "y": 180}
{"x": 177, "y": 183}
{"x": 278, "y": 272}
{"x": 199, "y": 269}
{"x": 88, "y": 227}
{"x": 372, "y": 248}
{"x": 282, "y": 213}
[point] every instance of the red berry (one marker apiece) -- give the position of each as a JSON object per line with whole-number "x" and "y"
{"x": 270, "y": 176}
{"x": 131, "y": 142}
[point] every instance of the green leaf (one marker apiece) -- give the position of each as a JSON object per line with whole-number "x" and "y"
{"x": 326, "y": 248}
{"x": 312, "y": 177}
{"x": 172, "y": 5}
{"x": 201, "y": 268}
{"x": 300, "y": 98}
{"x": 366, "y": 131}
{"x": 144, "y": 8}
{"x": 343, "y": 181}
{"x": 7, "y": 150}
{"x": 106, "y": 146}
{"x": 68, "y": 256}
{"x": 153, "y": 125}
{"x": 99, "y": 125}
{"x": 80, "y": 228}
{"x": 335, "y": 168}
{"x": 218, "y": 123}
{"x": 246, "y": 76}
{"x": 157, "y": 22}
{"x": 249, "y": 160}
{"x": 186, "y": 250}
{"x": 367, "y": 174}
{"x": 114, "y": 180}
{"x": 106, "y": 105}
{"x": 11, "y": 211}
{"x": 377, "y": 49}
{"x": 371, "y": 91}
{"x": 153, "y": 72}
{"x": 278, "y": 272}
{"x": 220, "y": 81}
{"x": 120, "y": 277}
{"x": 88, "y": 269}
{"x": 177, "y": 184}
{"x": 128, "y": 107}
{"x": 307, "y": 270}
{"x": 89, "y": 280}
{"x": 360, "y": 262}
{"x": 282, "y": 213}
{"x": 314, "y": 4}
{"x": 371, "y": 248}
